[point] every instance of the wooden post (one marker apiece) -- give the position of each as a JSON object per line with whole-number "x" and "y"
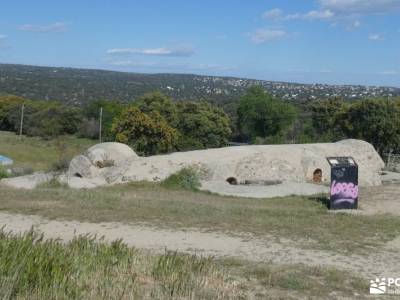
{"x": 100, "y": 124}
{"x": 21, "y": 125}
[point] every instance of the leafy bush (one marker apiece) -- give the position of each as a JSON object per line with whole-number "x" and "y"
{"x": 187, "y": 179}
{"x": 202, "y": 126}
{"x": 3, "y": 172}
{"x": 261, "y": 115}
{"x": 90, "y": 125}
{"x": 148, "y": 134}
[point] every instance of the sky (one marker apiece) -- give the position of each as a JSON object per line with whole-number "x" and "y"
{"x": 308, "y": 41}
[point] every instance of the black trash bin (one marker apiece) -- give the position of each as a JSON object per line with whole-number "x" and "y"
{"x": 344, "y": 183}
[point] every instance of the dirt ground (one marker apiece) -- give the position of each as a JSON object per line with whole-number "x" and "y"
{"x": 380, "y": 199}
{"x": 218, "y": 244}
{"x": 374, "y": 200}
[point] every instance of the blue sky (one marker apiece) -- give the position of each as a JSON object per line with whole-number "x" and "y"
{"x": 326, "y": 41}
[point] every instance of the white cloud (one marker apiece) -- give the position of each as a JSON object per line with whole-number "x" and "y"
{"x": 263, "y": 35}
{"x": 176, "y": 67}
{"x": 55, "y": 27}
{"x": 346, "y": 12}
{"x": 277, "y": 14}
{"x": 360, "y": 7}
{"x": 273, "y": 14}
{"x": 163, "y": 51}
{"x": 354, "y": 25}
{"x": 376, "y": 37}
{"x": 389, "y": 72}
{"x": 318, "y": 15}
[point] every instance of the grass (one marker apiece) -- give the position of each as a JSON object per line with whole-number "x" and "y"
{"x": 31, "y": 267}
{"x": 303, "y": 220}
{"x": 84, "y": 268}
{"x": 265, "y": 280}
{"x": 186, "y": 179}
{"x": 40, "y": 154}
{"x": 3, "y": 172}
{"x": 88, "y": 268}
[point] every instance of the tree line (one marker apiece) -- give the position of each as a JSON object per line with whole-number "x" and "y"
{"x": 155, "y": 123}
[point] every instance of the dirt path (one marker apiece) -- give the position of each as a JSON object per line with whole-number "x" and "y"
{"x": 384, "y": 199}
{"x": 385, "y": 263}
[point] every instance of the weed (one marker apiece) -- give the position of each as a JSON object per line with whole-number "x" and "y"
{"x": 187, "y": 179}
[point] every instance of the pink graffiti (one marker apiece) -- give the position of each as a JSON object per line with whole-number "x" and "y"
{"x": 348, "y": 190}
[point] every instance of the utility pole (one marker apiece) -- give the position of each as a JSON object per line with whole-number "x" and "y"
{"x": 100, "y": 123}
{"x": 21, "y": 125}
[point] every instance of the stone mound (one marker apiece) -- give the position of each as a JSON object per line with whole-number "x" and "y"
{"x": 113, "y": 163}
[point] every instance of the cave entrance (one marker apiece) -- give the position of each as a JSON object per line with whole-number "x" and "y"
{"x": 317, "y": 176}
{"x": 232, "y": 181}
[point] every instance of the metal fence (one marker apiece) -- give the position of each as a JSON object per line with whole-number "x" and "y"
{"x": 392, "y": 161}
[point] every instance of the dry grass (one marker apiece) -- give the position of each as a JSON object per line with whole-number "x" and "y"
{"x": 300, "y": 219}
{"x": 87, "y": 268}
{"x": 40, "y": 154}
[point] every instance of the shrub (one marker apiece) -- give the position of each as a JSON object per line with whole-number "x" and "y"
{"x": 3, "y": 173}
{"x": 148, "y": 134}
{"x": 261, "y": 115}
{"x": 187, "y": 179}
{"x": 202, "y": 125}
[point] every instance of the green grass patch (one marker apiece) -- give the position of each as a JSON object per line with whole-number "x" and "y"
{"x": 88, "y": 268}
{"x": 85, "y": 268}
{"x": 271, "y": 281}
{"x": 186, "y": 179}
{"x": 40, "y": 154}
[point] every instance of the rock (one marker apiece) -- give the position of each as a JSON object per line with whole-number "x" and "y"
{"x": 101, "y": 164}
{"x": 82, "y": 183}
{"x": 112, "y": 163}
{"x": 110, "y": 154}
{"x": 81, "y": 166}
{"x": 27, "y": 182}
{"x": 287, "y": 163}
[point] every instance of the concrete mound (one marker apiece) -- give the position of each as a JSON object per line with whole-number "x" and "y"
{"x": 101, "y": 164}
{"x": 113, "y": 163}
{"x": 281, "y": 163}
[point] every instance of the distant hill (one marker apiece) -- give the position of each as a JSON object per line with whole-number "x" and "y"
{"x": 79, "y": 86}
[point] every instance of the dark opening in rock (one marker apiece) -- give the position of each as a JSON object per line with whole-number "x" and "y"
{"x": 232, "y": 181}
{"x": 78, "y": 175}
{"x": 317, "y": 176}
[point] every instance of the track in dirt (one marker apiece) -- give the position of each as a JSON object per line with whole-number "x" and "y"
{"x": 246, "y": 247}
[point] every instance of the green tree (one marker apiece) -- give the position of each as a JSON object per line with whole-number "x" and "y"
{"x": 202, "y": 126}
{"x": 160, "y": 103}
{"x": 327, "y": 119}
{"x": 148, "y": 134}
{"x": 8, "y": 105}
{"x": 51, "y": 119}
{"x": 261, "y": 116}
{"x": 376, "y": 121}
{"x": 90, "y": 125}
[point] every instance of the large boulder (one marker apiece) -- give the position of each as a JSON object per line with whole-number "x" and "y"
{"x": 81, "y": 166}
{"x": 110, "y": 154}
{"x": 101, "y": 164}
